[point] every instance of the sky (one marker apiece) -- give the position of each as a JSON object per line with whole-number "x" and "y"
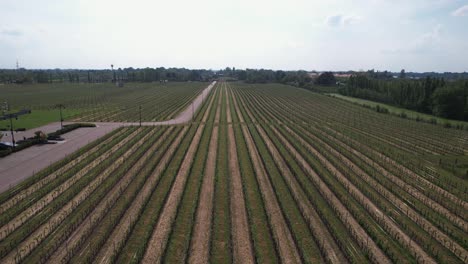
{"x": 415, "y": 35}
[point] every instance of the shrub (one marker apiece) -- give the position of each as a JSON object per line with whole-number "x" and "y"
{"x": 381, "y": 109}
{"x": 4, "y": 153}
{"x": 68, "y": 128}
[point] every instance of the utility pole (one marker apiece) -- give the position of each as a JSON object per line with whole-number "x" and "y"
{"x": 12, "y": 135}
{"x": 60, "y": 106}
{"x": 113, "y": 73}
{"x": 11, "y": 116}
{"x": 140, "y": 115}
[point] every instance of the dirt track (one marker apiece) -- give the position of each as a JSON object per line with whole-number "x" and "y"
{"x": 242, "y": 246}
{"x": 23, "y": 164}
{"x": 159, "y": 238}
{"x": 283, "y": 237}
{"x": 200, "y": 251}
{"x": 332, "y": 251}
{"x": 121, "y": 232}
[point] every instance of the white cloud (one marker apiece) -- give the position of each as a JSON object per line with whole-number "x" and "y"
{"x": 334, "y": 21}
{"x": 342, "y": 20}
{"x": 11, "y": 32}
{"x": 295, "y": 44}
{"x": 432, "y": 36}
{"x": 462, "y": 11}
{"x": 426, "y": 42}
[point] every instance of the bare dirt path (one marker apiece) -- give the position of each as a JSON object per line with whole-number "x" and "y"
{"x": 348, "y": 145}
{"x": 200, "y": 244}
{"x": 405, "y": 186}
{"x": 75, "y": 239}
{"x": 346, "y": 217}
{"x": 122, "y": 230}
{"x": 388, "y": 223}
{"x": 437, "y": 234}
{"x": 405, "y": 209}
{"x": 23, "y": 164}
{"x": 33, "y": 209}
{"x": 331, "y": 252}
{"x": 158, "y": 240}
{"x": 283, "y": 237}
{"x": 375, "y": 253}
{"x": 414, "y": 176}
{"x": 29, "y": 244}
{"x": 242, "y": 243}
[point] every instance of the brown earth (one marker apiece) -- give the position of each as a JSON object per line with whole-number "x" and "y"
{"x": 122, "y": 230}
{"x": 243, "y": 249}
{"x": 200, "y": 244}
{"x": 75, "y": 239}
{"x": 283, "y": 237}
{"x": 158, "y": 240}
{"x": 25, "y": 247}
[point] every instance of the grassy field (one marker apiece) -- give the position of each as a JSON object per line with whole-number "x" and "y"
{"x": 266, "y": 173}
{"x": 402, "y": 112}
{"x": 98, "y": 102}
{"x": 39, "y": 117}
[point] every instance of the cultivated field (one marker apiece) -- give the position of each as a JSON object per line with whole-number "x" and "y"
{"x": 265, "y": 173}
{"x": 100, "y": 102}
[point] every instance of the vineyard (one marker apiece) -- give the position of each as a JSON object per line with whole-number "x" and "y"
{"x": 100, "y": 102}
{"x": 265, "y": 173}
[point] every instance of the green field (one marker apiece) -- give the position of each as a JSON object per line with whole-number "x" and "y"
{"x": 267, "y": 173}
{"x": 98, "y": 102}
{"x": 402, "y": 111}
{"x": 38, "y": 118}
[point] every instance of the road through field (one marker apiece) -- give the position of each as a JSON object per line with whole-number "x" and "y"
{"x": 25, "y": 163}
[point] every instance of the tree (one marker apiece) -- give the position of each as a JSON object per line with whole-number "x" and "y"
{"x": 326, "y": 78}
{"x": 402, "y": 74}
{"x": 449, "y": 102}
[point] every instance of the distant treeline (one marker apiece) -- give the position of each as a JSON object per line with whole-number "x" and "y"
{"x": 411, "y": 75}
{"x": 151, "y": 75}
{"x": 267, "y": 76}
{"x": 95, "y": 76}
{"x": 448, "y": 99}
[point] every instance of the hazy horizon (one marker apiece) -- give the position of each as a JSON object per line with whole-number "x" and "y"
{"x": 418, "y": 36}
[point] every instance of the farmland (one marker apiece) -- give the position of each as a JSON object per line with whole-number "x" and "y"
{"x": 264, "y": 173}
{"x": 99, "y": 102}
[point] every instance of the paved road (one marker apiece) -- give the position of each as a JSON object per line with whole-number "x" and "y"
{"x": 23, "y": 164}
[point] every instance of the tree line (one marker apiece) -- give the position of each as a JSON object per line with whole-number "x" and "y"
{"x": 431, "y": 95}
{"x": 96, "y": 76}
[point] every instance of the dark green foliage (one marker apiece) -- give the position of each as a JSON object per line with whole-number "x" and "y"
{"x": 68, "y": 128}
{"x": 450, "y": 102}
{"x": 403, "y": 74}
{"x": 381, "y": 109}
{"x": 326, "y": 79}
{"x": 429, "y": 95}
{"x": 296, "y": 78}
{"x": 95, "y": 76}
